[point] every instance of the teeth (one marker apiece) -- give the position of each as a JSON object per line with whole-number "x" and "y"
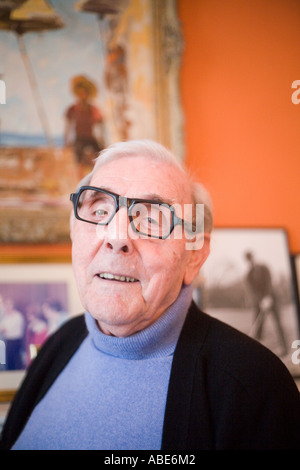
{"x": 117, "y": 278}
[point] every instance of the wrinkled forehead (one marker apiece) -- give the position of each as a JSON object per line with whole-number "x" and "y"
{"x": 143, "y": 177}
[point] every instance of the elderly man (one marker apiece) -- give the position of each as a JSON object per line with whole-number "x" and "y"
{"x": 144, "y": 368}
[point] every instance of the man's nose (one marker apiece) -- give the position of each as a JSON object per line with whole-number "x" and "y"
{"x": 116, "y": 233}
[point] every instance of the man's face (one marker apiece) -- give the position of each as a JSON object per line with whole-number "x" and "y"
{"x": 158, "y": 267}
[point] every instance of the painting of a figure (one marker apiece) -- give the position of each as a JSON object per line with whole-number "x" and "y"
{"x": 78, "y": 76}
{"x": 45, "y": 49}
{"x": 50, "y": 57}
{"x": 83, "y": 123}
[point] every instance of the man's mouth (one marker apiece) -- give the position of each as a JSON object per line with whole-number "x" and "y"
{"x": 114, "y": 277}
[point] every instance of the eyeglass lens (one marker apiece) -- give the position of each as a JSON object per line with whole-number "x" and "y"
{"x": 151, "y": 219}
{"x": 95, "y": 206}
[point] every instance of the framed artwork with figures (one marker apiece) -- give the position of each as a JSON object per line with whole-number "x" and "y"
{"x": 121, "y": 59}
{"x": 37, "y": 295}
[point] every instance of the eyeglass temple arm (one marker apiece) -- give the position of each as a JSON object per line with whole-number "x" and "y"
{"x": 190, "y": 227}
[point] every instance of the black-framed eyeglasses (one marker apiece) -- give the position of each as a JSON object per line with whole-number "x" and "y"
{"x": 151, "y": 218}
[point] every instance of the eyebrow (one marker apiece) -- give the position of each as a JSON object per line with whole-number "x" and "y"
{"x": 93, "y": 194}
{"x": 149, "y": 196}
{"x": 157, "y": 198}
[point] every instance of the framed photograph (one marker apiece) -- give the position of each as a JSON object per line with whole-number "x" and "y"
{"x": 114, "y": 62}
{"x": 36, "y": 298}
{"x": 247, "y": 282}
{"x": 296, "y": 262}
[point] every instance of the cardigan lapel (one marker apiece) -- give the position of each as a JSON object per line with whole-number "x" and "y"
{"x": 178, "y": 406}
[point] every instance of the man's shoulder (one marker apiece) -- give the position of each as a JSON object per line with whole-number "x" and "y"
{"x": 227, "y": 352}
{"x": 229, "y": 389}
{"x": 51, "y": 359}
{"x": 76, "y": 323}
{"x": 59, "y": 347}
{"x": 72, "y": 332}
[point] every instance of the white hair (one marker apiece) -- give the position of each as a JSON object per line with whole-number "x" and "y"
{"x": 154, "y": 151}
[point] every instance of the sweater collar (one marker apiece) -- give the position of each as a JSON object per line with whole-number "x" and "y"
{"x": 158, "y": 340}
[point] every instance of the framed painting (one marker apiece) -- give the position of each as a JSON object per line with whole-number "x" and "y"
{"x": 37, "y": 295}
{"x": 247, "y": 282}
{"x": 89, "y": 73}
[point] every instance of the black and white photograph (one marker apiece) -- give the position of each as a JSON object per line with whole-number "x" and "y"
{"x": 296, "y": 263}
{"x": 247, "y": 282}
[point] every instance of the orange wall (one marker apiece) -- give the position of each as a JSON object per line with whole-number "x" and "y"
{"x": 242, "y": 130}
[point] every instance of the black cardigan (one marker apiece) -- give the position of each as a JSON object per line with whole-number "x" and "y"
{"x": 226, "y": 390}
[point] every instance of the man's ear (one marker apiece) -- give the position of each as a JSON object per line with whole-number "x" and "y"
{"x": 197, "y": 258}
{"x": 72, "y": 220}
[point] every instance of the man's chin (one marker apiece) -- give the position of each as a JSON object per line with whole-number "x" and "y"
{"x": 115, "y": 320}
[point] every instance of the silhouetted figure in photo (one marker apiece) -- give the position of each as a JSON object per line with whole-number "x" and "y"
{"x": 54, "y": 314}
{"x": 264, "y": 300}
{"x": 36, "y": 330}
{"x": 12, "y": 327}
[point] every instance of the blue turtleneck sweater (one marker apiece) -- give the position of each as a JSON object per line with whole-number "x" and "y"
{"x": 112, "y": 393}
